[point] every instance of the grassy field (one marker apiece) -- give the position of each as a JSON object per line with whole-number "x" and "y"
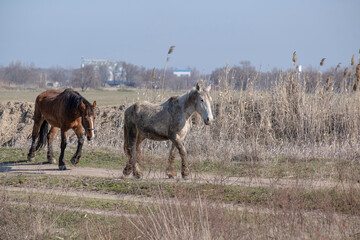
{"x": 103, "y": 97}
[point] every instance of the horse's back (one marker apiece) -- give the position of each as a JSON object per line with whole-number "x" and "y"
{"x": 144, "y": 110}
{"x": 48, "y": 96}
{"x": 152, "y": 120}
{"x": 51, "y": 105}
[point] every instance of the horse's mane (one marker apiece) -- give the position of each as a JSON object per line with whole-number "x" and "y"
{"x": 73, "y": 100}
{"x": 189, "y": 96}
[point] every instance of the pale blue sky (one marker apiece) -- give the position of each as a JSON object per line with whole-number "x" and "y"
{"x": 207, "y": 34}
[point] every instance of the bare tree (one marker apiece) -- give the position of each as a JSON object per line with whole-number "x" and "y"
{"x": 18, "y": 74}
{"x": 85, "y": 78}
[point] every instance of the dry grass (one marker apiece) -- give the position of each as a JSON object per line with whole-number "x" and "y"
{"x": 180, "y": 217}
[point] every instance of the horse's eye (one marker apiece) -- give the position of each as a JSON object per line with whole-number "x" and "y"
{"x": 202, "y": 100}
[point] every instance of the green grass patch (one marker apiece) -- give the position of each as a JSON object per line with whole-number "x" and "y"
{"x": 103, "y": 97}
{"x": 102, "y": 158}
{"x": 13, "y": 155}
{"x": 125, "y": 90}
{"x": 75, "y": 202}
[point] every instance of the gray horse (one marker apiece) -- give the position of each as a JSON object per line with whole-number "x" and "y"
{"x": 167, "y": 121}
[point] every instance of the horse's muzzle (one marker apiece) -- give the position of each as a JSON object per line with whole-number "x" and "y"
{"x": 208, "y": 121}
{"x": 92, "y": 133}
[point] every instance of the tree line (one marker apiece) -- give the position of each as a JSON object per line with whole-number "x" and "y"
{"x": 233, "y": 77}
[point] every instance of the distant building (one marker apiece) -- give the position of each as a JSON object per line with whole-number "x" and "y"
{"x": 52, "y": 84}
{"x": 182, "y": 72}
{"x": 116, "y": 75}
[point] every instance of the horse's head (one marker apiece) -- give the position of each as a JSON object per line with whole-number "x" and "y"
{"x": 203, "y": 104}
{"x": 88, "y": 119}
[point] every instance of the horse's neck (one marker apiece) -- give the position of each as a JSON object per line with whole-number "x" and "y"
{"x": 189, "y": 106}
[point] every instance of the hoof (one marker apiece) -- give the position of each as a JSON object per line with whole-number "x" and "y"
{"x": 62, "y": 167}
{"x": 185, "y": 173}
{"x": 73, "y": 162}
{"x": 138, "y": 175}
{"x": 185, "y": 177}
{"x": 171, "y": 175}
{"x": 52, "y": 160}
{"x": 31, "y": 159}
{"x": 127, "y": 171}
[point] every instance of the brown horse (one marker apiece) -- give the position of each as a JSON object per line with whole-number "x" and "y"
{"x": 167, "y": 121}
{"x": 65, "y": 110}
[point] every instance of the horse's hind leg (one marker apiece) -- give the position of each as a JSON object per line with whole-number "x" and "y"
{"x": 170, "y": 172}
{"x": 50, "y": 136}
{"x": 128, "y": 168}
{"x": 131, "y": 149}
{"x": 136, "y": 153}
{"x": 38, "y": 120}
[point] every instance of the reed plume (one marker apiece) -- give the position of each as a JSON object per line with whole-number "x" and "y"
{"x": 346, "y": 72}
{"x": 355, "y": 86}
{"x": 171, "y": 49}
{"x": 322, "y": 61}
{"x": 338, "y": 66}
{"x": 294, "y": 58}
{"x": 353, "y": 60}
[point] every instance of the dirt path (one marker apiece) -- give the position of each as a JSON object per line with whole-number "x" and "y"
{"x": 156, "y": 176}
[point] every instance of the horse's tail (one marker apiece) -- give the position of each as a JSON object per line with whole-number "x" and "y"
{"x": 44, "y": 129}
{"x": 129, "y": 128}
{"x": 126, "y": 138}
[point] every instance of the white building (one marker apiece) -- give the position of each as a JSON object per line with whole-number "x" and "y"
{"x": 182, "y": 72}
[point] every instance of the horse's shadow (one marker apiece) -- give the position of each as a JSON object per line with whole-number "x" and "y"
{"x": 9, "y": 167}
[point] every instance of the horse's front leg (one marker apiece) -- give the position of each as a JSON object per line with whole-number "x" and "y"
{"x": 75, "y": 159}
{"x": 184, "y": 163}
{"x": 63, "y": 146}
{"x": 50, "y": 136}
{"x": 170, "y": 171}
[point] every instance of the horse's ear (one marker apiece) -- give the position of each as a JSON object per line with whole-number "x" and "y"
{"x": 208, "y": 88}
{"x": 82, "y": 107}
{"x": 197, "y": 87}
{"x": 94, "y": 104}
